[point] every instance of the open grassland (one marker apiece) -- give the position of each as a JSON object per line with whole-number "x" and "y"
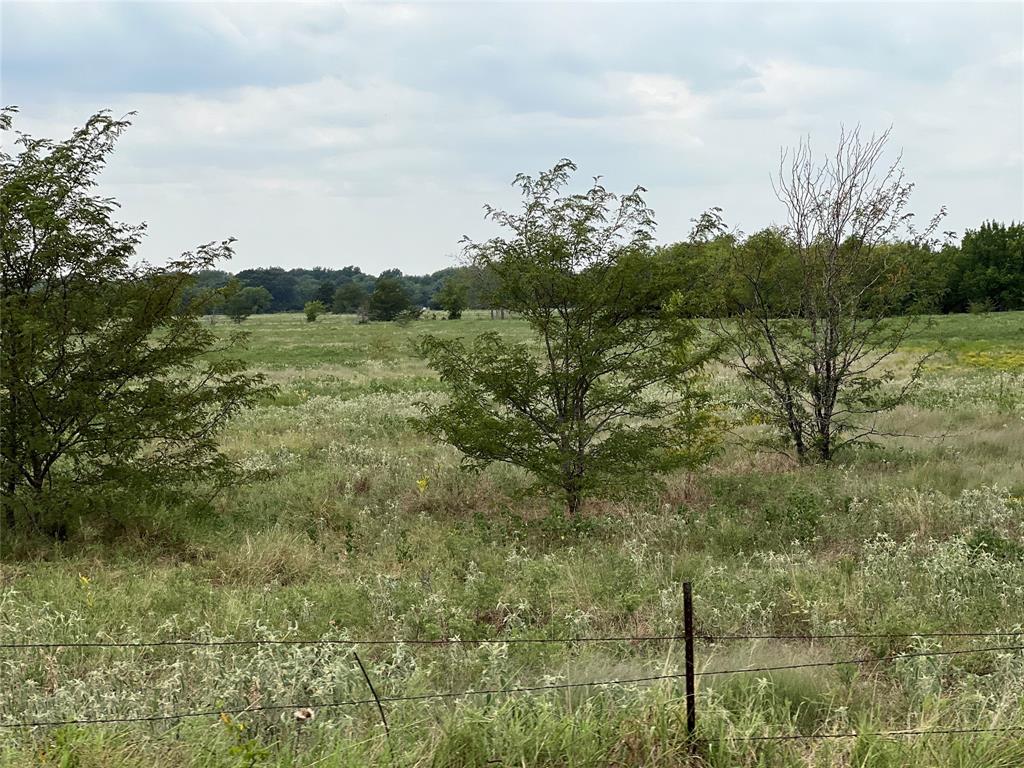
{"x": 351, "y": 525}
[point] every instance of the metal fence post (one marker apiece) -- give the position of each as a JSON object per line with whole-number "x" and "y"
{"x": 691, "y": 694}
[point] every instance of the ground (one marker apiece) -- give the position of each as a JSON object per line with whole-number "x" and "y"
{"x": 352, "y": 525}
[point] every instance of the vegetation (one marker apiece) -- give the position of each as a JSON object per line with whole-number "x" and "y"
{"x": 984, "y": 273}
{"x": 388, "y": 299}
{"x": 325, "y": 294}
{"x": 352, "y": 524}
{"x": 241, "y": 302}
{"x": 107, "y": 379}
{"x": 808, "y": 306}
{"x": 313, "y": 310}
{"x": 453, "y": 297}
{"x": 988, "y": 270}
{"x": 350, "y": 297}
{"x": 611, "y": 399}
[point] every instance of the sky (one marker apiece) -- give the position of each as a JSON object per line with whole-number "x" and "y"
{"x": 373, "y": 133}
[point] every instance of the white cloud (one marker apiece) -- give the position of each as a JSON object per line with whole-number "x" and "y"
{"x": 372, "y": 133}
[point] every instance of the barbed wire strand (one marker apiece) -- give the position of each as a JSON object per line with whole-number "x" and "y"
{"x": 856, "y": 734}
{"x": 441, "y": 641}
{"x": 860, "y": 635}
{"x": 863, "y": 660}
{"x": 713, "y": 638}
{"x": 507, "y": 691}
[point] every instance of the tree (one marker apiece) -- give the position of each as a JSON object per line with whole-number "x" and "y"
{"x": 609, "y": 395}
{"x": 452, "y": 297}
{"x": 106, "y": 376}
{"x": 306, "y": 286}
{"x": 811, "y": 302}
{"x": 282, "y": 286}
{"x": 244, "y": 301}
{"x": 349, "y": 298}
{"x": 989, "y": 270}
{"x": 325, "y": 295}
{"x": 209, "y": 281}
{"x": 313, "y": 310}
{"x": 388, "y": 299}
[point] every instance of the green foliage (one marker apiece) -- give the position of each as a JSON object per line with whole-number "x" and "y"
{"x": 889, "y": 544}
{"x": 241, "y": 302}
{"x": 453, "y": 297}
{"x": 325, "y": 294}
{"x": 281, "y": 287}
{"x": 313, "y": 310}
{"x": 348, "y": 298}
{"x": 989, "y": 270}
{"x": 388, "y": 299}
{"x": 609, "y": 397}
{"x": 104, "y": 375}
{"x": 208, "y": 283}
{"x": 923, "y": 275}
{"x": 984, "y": 273}
{"x": 936, "y": 276}
{"x": 406, "y": 316}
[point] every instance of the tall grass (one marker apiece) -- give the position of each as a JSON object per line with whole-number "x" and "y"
{"x": 351, "y": 525}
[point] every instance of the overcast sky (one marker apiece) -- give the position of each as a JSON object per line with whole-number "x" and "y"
{"x": 372, "y": 134}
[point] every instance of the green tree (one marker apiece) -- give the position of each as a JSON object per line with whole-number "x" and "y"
{"x": 990, "y": 268}
{"x": 348, "y": 298}
{"x": 207, "y": 282}
{"x": 698, "y": 263}
{"x": 325, "y": 295}
{"x": 452, "y": 297}
{"x": 282, "y": 286}
{"x": 388, "y": 299}
{"x": 106, "y": 376}
{"x": 925, "y": 271}
{"x": 313, "y": 310}
{"x": 244, "y": 301}
{"x": 609, "y": 395}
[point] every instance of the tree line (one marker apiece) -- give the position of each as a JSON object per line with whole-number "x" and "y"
{"x": 344, "y": 291}
{"x": 983, "y": 271}
{"x": 112, "y": 385}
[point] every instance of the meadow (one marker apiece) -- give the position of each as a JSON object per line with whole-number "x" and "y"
{"x": 349, "y": 524}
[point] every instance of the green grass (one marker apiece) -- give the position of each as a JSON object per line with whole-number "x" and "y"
{"x": 352, "y": 525}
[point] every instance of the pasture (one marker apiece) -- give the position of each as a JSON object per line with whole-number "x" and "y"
{"x": 351, "y": 525}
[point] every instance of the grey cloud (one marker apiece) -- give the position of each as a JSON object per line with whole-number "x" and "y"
{"x": 350, "y": 118}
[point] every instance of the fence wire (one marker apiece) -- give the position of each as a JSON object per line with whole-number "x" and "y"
{"x": 705, "y": 637}
{"x": 508, "y": 691}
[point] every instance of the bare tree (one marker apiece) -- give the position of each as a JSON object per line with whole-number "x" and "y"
{"x": 811, "y": 303}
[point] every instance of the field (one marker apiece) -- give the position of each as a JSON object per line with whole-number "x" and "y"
{"x": 351, "y": 525}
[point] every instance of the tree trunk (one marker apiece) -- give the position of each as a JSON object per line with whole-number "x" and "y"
{"x": 825, "y": 448}
{"x": 9, "y": 520}
{"x": 798, "y": 441}
{"x": 10, "y": 481}
{"x": 573, "y": 502}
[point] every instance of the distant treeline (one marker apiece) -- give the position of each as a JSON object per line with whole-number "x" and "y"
{"x": 983, "y": 272}
{"x": 343, "y": 289}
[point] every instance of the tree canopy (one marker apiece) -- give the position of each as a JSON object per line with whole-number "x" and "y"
{"x": 388, "y": 299}
{"x": 609, "y": 394}
{"x": 109, "y": 376}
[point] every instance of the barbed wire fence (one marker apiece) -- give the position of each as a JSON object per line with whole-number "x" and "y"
{"x": 689, "y": 638}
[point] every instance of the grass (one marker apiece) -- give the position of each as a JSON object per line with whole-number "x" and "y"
{"x": 351, "y": 525}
